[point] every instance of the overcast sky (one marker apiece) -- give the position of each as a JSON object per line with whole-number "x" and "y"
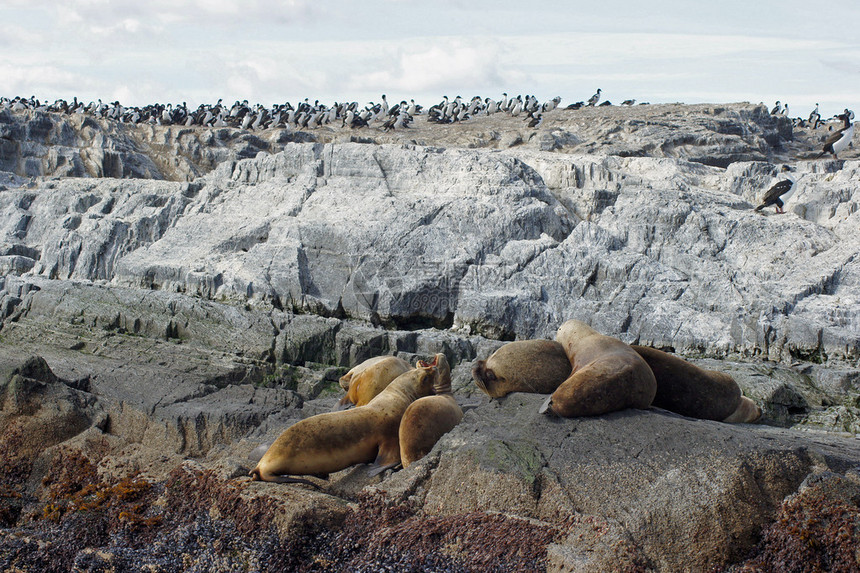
{"x": 352, "y": 50}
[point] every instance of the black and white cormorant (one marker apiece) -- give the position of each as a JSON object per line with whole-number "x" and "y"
{"x": 773, "y": 195}
{"x": 839, "y": 140}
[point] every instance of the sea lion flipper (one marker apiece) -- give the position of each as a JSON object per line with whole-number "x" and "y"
{"x": 546, "y": 407}
{"x": 387, "y": 457}
{"x": 375, "y": 469}
{"x": 747, "y": 412}
{"x": 344, "y": 404}
{"x": 259, "y": 475}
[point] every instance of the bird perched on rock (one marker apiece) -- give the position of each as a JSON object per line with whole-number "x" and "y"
{"x": 815, "y": 118}
{"x": 534, "y": 120}
{"x": 773, "y": 195}
{"x": 592, "y": 101}
{"x": 839, "y": 140}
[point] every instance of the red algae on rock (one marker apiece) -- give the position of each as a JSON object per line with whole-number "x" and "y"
{"x": 818, "y": 529}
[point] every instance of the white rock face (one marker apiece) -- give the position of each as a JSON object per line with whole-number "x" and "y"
{"x": 145, "y": 321}
{"x": 506, "y": 244}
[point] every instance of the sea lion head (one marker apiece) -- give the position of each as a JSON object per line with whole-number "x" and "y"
{"x": 486, "y": 379}
{"x": 428, "y": 374}
{"x": 522, "y": 366}
{"x": 443, "y": 374}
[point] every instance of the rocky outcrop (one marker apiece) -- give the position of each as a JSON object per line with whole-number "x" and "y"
{"x": 155, "y": 330}
{"x": 42, "y": 144}
{"x": 504, "y": 245}
{"x": 37, "y": 143}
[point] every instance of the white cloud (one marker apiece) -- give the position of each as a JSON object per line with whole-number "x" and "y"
{"x": 447, "y": 62}
{"x": 200, "y": 50}
{"x": 36, "y": 79}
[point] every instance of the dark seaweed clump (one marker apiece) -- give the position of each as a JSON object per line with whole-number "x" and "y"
{"x": 818, "y": 529}
{"x": 385, "y": 536}
{"x": 197, "y": 521}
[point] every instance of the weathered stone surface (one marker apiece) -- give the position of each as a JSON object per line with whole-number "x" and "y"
{"x": 146, "y": 322}
{"x": 36, "y": 143}
{"x": 643, "y": 476}
{"x": 656, "y": 250}
{"x": 41, "y": 144}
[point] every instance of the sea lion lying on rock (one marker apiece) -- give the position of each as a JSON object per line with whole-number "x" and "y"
{"x": 538, "y": 366}
{"x": 429, "y": 418}
{"x": 333, "y": 441}
{"x": 607, "y": 375}
{"x": 365, "y": 381}
{"x": 686, "y": 389}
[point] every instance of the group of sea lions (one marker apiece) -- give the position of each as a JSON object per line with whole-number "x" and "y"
{"x": 587, "y": 373}
{"x": 401, "y": 412}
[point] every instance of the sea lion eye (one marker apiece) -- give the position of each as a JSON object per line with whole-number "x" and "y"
{"x": 490, "y": 375}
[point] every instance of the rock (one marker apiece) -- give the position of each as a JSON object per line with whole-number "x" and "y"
{"x": 177, "y": 293}
{"x": 38, "y": 409}
{"x": 639, "y": 476}
{"x": 670, "y": 242}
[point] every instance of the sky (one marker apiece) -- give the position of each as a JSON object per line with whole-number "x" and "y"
{"x": 656, "y": 51}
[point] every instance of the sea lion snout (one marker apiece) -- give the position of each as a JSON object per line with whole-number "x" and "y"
{"x": 483, "y": 376}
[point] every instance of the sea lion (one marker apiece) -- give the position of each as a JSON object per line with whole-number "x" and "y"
{"x": 538, "y": 366}
{"x": 607, "y": 375}
{"x": 365, "y": 381}
{"x": 332, "y": 441}
{"x": 429, "y": 418}
{"x": 686, "y": 389}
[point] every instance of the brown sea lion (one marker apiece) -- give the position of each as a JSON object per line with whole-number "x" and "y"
{"x": 429, "y": 418}
{"x": 607, "y": 375}
{"x": 538, "y": 366}
{"x": 365, "y": 381}
{"x": 332, "y": 441}
{"x": 686, "y": 389}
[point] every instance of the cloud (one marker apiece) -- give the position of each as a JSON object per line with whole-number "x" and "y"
{"x": 36, "y": 79}
{"x": 105, "y": 13}
{"x": 447, "y": 63}
{"x": 17, "y": 36}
